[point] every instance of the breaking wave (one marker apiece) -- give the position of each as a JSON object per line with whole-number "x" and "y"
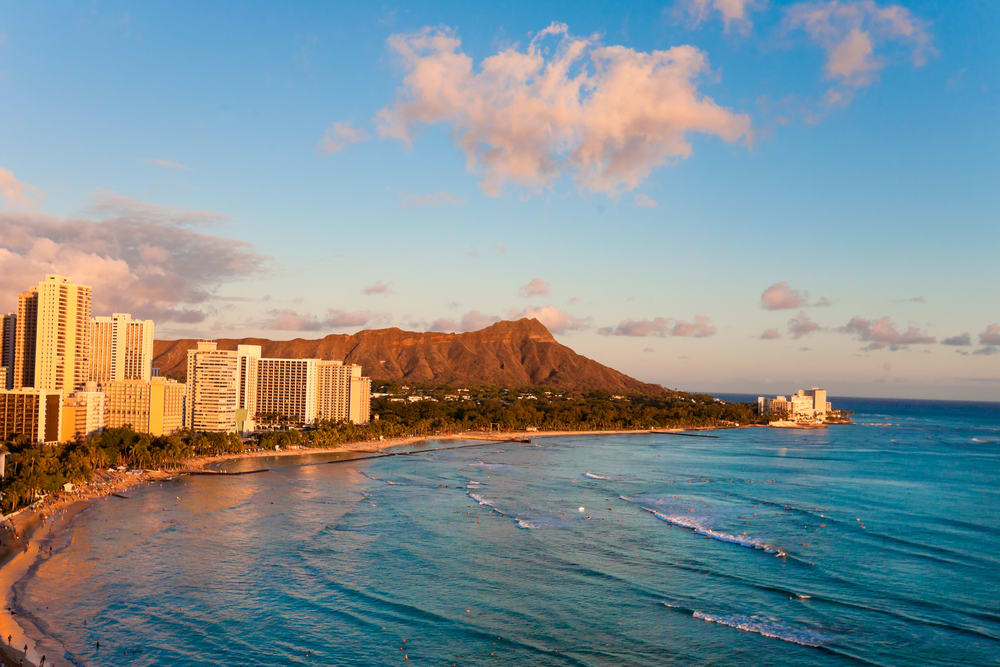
{"x": 767, "y": 628}
{"x": 698, "y": 529}
{"x": 593, "y": 475}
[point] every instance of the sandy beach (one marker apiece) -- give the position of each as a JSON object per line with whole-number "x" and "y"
{"x": 28, "y": 536}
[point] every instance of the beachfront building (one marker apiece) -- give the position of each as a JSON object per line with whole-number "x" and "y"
{"x": 212, "y": 395}
{"x": 52, "y": 341}
{"x": 34, "y": 413}
{"x": 286, "y": 390}
{"x": 248, "y": 359}
{"x": 82, "y": 413}
{"x": 120, "y": 348}
{"x": 154, "y": 406}
{"x": 361, "y": 400}
{"x": 804, "y": 405}
{"x": 8, "y": 334}
{"x": 333, "y": 389}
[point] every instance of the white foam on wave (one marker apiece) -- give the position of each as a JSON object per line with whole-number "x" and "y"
{"x": 593, "y": 475}
{"x": 483, "y": 501}
{"x": 528, "y": 525}
{"x": 626, "y": 499}
{"x": 473, "y": 484}
{"x": 698, "y": 529}
{"x": 766, "y": 628}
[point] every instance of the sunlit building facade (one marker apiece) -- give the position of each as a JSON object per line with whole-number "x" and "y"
{"x": 154, "y": 406}
{"x": 34, "y": 413}
{"x": 121, "y": 348}
{"x": 213, "y": 388}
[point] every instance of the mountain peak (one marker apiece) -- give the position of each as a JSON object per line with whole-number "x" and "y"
{"x": 528, "y": 327}
{"x": 514, "y": 354}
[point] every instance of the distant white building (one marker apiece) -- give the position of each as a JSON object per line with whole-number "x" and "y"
{"x": 803, "y": 405}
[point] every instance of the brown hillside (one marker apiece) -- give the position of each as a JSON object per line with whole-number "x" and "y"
{"x": 507, "y": 354}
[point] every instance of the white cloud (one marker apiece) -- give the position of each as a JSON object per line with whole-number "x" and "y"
{"x": 734, "y": 13}
{"x": 378, "y": 287}
{"x": 470, "y": 321}
{"x": 606, "y": 114}
{"x": 534, "y": 287}
{"x": 858, "y": 37}
{"x": 882, "y": 333}
{"x": 801, "y": 325}
{"x": 662, "y": 327}
{"x": 555, "y": 320}
{"x": 17, "y": 194}
{"x": 285, "y": 319}
{"x": 339, "y": 136}
{"x": 140, "y": 258}
{"x": 645, "y": 201}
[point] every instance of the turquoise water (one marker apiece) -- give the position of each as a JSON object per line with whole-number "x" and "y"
{"x": 876, "y": 543}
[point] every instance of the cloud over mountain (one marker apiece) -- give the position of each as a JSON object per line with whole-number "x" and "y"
{"x": 534, "y": 287}
{"x": 662, "y": 327}
{"x": 285, "y": 319}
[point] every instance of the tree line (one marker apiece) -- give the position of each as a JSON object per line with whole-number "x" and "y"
{"x": 33, "y": 470}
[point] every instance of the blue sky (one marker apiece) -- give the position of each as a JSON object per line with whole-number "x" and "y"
{"x": 172, "y": 156}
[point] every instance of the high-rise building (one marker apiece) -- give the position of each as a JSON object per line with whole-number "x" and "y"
{"x": 55, "y": 317}
{"x": 35, "y": 413}
{"x": 249, "y": 363}
{"x": 25, "y": 338}
{"x": 82, "y": 413}
{"x": 121, "y": 348}
{"x": 8, "y": 335}
{"x": 213, "y": 380}
{"x": 154, "y": 406}
{"x": 361, "y": 400}
{"x": 286, "y": 389}
{"x": 333, "y": 389}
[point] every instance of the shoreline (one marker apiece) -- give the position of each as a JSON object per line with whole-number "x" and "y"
{"x": 26, "y": 534}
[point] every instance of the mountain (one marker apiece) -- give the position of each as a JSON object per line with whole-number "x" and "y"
{"x": 511, "y": 354}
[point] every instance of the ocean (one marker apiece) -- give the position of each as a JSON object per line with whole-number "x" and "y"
{"x": 874, "y": 543}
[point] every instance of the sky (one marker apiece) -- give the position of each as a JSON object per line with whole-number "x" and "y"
{"x": 714, "y": 195}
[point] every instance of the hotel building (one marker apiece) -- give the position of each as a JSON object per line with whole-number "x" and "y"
{"x": 121, "y": 348}
{"x": 8, "y": 334}
{"x": 154, "y": 406}
{"x": 213, "y": 390}
{"x": 35, "y": 413}
{"x": 52, "y": 343}
{"x": 286, "y": 388}
{"x": 361, "y": 397}
{"x": 26, "y": 328}
{"x": 83, "y": 413}
{"x": 804, "y": 405}
{"x": 333, "y": 390}
{"x": 249, "y": 367}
